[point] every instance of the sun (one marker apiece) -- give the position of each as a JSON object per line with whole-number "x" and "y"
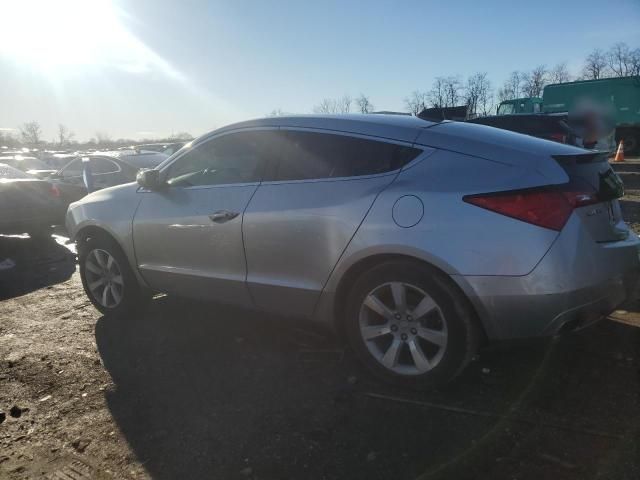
{"x": 49, "y": 34}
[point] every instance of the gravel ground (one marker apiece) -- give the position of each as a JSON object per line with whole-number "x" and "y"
{"x": 195, "y": 390}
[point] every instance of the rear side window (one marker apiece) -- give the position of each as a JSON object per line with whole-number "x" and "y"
{"x": 102, "y": 165}
{"x": 312, "y": 155}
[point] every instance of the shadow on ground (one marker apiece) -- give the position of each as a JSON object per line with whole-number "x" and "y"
{"x": 28, "y": 264}
{"x": 204, "y": 391}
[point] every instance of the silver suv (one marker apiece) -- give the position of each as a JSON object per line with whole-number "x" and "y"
{"x": 418, "y": 240}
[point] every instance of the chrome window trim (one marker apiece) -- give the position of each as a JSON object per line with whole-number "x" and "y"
{"x": 426, "y": 151}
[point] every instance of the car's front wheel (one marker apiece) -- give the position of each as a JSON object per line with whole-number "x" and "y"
{"x": 107, "y": 277}
{"x": 409, "y": 325}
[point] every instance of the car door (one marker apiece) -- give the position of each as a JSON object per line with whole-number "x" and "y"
{"x": 70, "y": 182}
{"x": 188, "y": 237}
{"x": 308, "y": 207}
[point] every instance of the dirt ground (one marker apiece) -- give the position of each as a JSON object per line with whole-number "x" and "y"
{"x": 193, "y": 390}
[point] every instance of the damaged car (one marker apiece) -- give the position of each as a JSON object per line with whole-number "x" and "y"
{"x": 418, "y": 240}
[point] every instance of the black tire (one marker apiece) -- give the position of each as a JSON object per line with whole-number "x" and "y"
{"x": 133, "y": 297}
{"x": 462, "y": 336}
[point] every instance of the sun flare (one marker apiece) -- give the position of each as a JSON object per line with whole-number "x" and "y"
{"x": 72, "y": 34}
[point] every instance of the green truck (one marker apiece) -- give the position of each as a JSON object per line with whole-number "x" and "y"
{"x": 621, "y": 95}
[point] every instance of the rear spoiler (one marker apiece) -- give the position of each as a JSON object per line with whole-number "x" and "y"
{"x": 581, "y": 158}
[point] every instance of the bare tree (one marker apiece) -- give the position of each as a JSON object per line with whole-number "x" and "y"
{"x": 276, "y": 112}
{"x": 416, "y": 102}
{"x": 634, "y": 60}
{"x": 559, "y": 73}
{"x": 534, "y": 81}
{"x": 31, "y": 133}
{"x": 452, "y": 90}
{"x": 64, "y": 135}
{"x": 478, "y": 94}
{"x": 620, "y": 60}
{"x": 344, "y": 104}
{"x": 333, "y": 106}
{"x": 327, "y": 105}
{"x": 595, "y": 65}
{"x": 512, "y": 87}
{"x": 438, "y": 93}
{"x": 364, "y": 104}
{"x": 103, "y": 138}
{"x": 8, "y": 139}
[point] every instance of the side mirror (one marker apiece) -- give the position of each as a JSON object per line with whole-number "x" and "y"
{"x": 150, "y": 179}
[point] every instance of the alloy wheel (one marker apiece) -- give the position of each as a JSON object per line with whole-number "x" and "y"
{"x": 403, "y": 328}
{"x": 104, "y": 278}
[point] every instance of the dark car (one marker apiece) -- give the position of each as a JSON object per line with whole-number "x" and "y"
{"x": 553, "y": 127}
{"x": 27, "y": 204}
{"x": 106, "y": 171}
{"x": 31, "y": 165}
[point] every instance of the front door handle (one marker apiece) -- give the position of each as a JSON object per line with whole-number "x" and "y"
{"x": 222, "y": 216}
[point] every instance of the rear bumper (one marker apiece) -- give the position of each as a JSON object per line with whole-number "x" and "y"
{"x": 577, "y": 282}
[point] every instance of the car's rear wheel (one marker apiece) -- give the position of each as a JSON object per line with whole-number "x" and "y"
{"x": 409, "y": 325}
{"x": 108, "y": 279}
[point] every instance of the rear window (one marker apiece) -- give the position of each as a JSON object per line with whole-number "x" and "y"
{"x": 312, "y": 155}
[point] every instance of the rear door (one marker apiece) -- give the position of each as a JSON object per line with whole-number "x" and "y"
{"x": 70, "y": 182}
{"x": 307, "y": 209}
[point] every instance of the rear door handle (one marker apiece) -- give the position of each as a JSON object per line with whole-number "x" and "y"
{"x": 222, "y": 216}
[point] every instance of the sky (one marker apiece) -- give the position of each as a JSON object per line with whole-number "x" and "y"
{"x": 150, "y": 68}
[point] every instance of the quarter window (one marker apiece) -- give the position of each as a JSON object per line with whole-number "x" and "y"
{"x": 312, "y": 155}
{"x": 103, "y": 165}
{"x": 234, "y": 158}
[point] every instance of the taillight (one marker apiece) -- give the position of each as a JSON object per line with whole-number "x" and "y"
{"x": 558, "y": 137}
{"x": 548, "y": 207}
{"x": 54, "y": 191}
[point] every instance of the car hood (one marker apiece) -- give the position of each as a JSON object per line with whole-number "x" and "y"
{"x": 126, "y": 190}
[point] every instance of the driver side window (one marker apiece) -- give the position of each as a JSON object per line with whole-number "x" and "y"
{"x": 233, "y": 158}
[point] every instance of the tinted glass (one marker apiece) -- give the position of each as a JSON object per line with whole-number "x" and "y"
{"x": 150, "y": 160}
{"x": 233, "y": 158}
{"x": 103, "y": 165}
{"x": 310, "y": 155}
{"x": 73, "y": 168}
